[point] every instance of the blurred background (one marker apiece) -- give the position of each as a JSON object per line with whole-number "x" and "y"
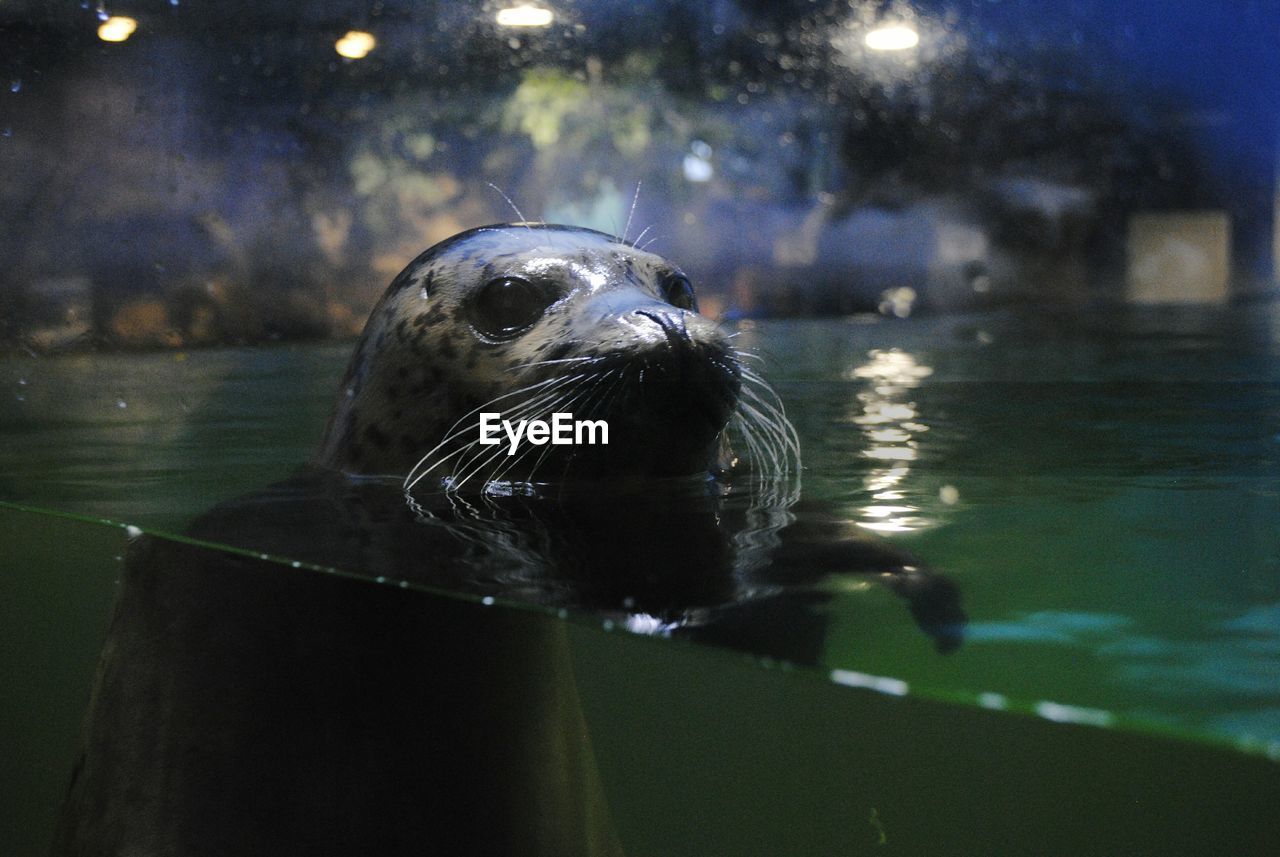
{"x": 181, "y": 173}
{"x": 1039, "y": 238}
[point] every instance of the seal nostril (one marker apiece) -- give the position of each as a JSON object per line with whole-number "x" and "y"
{"x": 661, "y": 318}
{"x": 672, "y": 325}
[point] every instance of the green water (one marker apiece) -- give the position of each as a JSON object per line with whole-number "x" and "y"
{"x": 1102, "y": 489}
{"x": 689, "y": 752}
{"x": 57, "y": 580}
{"x": 155, "y": 439}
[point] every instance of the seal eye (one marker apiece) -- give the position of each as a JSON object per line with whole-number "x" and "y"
{"x": 679, "y": 292}
{"x": 505, "y": 307}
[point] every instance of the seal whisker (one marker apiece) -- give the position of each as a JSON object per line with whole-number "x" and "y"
{"x": 522, "y": 411}
{"x": 551, "y": 383}
{"x": 769, "y": 440}
{"x": 598, "y": 392}
{"x": 773, "y": 420}
{"x": 522, "y": 366}
{"x": 753, "y": 375}
{"x": 587, "y": 388}
{"x": 546, "y": 405}
{"x": 767, "y": 399}
{"x": 540, "y": 405}
{"x": 462, "y": 450}
{"x": 775, "y": 488}
{"x": 747, "y": 355}
{"x": 489, "y": 456}
{"x": 537, "y": 464}
{"x": 454, "y": 431}
{"x": 497, "y": 477}
{"x": 744, "y": 353}
{"x": 519, "y": 215}
{"x": 529, "y": 477}
{"x": 769, "y": 437}
{"x": 729, "y": 365}
{"x": 750, "y": 438}
{"x": 634, "y": 199}
{"x": 601, "y": 406}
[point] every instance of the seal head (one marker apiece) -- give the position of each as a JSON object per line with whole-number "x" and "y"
{"x": 525, "y": 321}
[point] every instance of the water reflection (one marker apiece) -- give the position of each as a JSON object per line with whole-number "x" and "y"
{"x": 891, "y": 424}
{"x": 727, "y": 571}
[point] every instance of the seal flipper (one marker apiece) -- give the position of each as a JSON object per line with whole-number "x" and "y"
{"x": 934, "y": 603}
{"x": 813, "y": 548}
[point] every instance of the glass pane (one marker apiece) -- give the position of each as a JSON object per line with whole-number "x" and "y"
{"x": 935, "y": 343}
{"x": 242, "y": 701}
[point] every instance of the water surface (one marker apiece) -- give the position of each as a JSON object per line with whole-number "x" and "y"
{"x": 1102, "y": 488}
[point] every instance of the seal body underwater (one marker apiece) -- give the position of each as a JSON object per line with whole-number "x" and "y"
{"x": 528, "y": 320}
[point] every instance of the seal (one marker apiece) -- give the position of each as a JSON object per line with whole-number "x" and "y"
{"x": 226, "y": 675}
{"x": 527, "y": 320}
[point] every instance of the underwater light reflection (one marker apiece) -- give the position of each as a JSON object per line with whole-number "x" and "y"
{"x": 890, "y": 424}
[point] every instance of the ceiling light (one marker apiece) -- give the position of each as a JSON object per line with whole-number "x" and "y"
{"x": 894, "y": 37}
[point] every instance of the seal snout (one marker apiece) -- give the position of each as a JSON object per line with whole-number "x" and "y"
{"x": 690, "y": 374}
{"x": 694, "y": 350}
{"x": 672, "y": 324}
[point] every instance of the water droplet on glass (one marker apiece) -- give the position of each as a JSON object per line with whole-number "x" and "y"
{"x": 487, "y": 601}
{"x": 120, "y": 403}
{"x": 22, "y": 382}
{"x": 20, "y": 397}
{"x": 16, "y": 86}
{"x": 102, "y": 14}
{"x": 8, "y": 132}
{"x": 173, "y": 2}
